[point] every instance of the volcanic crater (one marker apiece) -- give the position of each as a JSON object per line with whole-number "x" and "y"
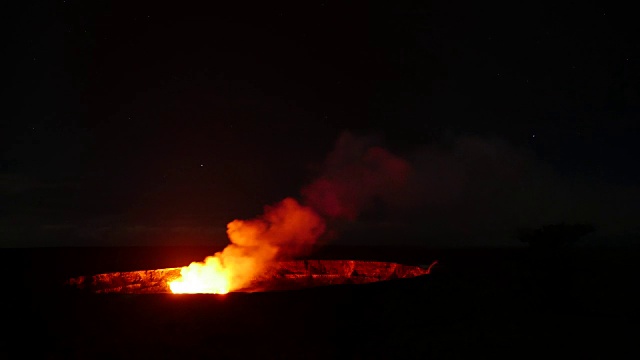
{"x": 280, "y": 276}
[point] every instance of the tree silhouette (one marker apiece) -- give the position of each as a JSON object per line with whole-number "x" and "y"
{"x": 555, "y": 235}
{"x": 552, "y": 259}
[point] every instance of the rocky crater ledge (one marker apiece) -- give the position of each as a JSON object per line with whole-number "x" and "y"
{"x": 284, "y": 275}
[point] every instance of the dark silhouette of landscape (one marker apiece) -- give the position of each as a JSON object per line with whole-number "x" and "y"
{"x": 476, "y": 303}
{"x": 498, "y": 139}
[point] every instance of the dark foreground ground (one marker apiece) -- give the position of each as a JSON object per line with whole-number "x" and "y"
{"x": 477, "y": 303}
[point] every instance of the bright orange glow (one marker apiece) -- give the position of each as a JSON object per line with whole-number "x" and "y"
{"x": 209, "y": 278}
{"x": 284, "y": 229}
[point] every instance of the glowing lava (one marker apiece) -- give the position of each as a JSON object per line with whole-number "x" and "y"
{"x": 284, "y": 229}
{"x": 258, "y": 257}
{"x": 206, "y": 278}
{"x": 277, "y": 276}
{"x": 288, "y": 229}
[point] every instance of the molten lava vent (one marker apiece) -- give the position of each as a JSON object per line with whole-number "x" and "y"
{"x": 285, "y": 275}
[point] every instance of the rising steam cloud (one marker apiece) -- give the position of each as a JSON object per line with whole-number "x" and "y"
{"x": 354, "y": 174}
{"x": 463, "y": 190}
{"x": 284, "y": 230}
{"x": 471, "y": 187}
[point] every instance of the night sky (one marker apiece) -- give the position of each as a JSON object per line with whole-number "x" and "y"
{"x": 139, "y": 123}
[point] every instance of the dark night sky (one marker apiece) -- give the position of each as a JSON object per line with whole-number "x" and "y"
{"x": 138, "y": 123}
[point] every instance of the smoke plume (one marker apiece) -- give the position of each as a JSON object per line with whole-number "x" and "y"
{"x": 284, "y": 230}
{"x": 355, "y": 174}
{"x": 468, "y": 189}
{"x": 459, "y": 191}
